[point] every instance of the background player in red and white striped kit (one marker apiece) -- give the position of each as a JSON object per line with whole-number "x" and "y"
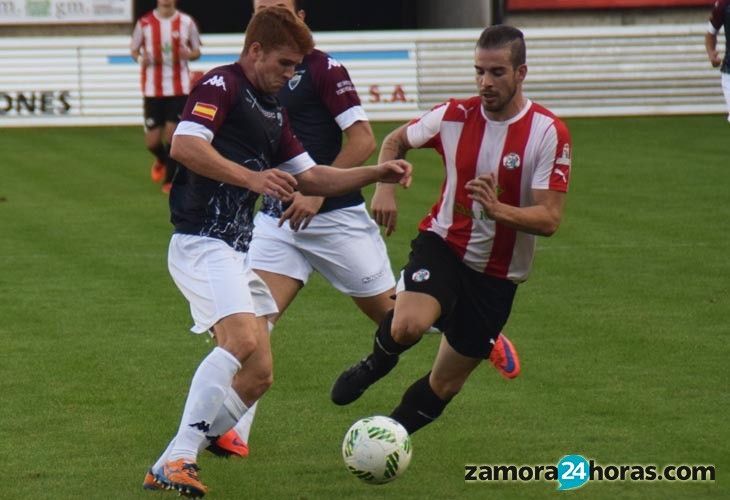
{"x": 719, "y": 19}
{"x": 163, "y": 42}
{"x": 507, "y": 163}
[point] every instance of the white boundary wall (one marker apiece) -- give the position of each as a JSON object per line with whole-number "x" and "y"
{"x": 601, "y": 71}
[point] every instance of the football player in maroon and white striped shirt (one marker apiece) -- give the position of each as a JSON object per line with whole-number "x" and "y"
{"x": 507, "y": 163}
{"x": 163, "y": 42}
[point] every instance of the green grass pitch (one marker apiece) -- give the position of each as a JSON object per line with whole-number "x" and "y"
{"x": 622, "y": 330}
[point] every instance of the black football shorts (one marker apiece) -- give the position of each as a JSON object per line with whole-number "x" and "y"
{"x": 474, "y": 306}
{"x": 158, "y": 110}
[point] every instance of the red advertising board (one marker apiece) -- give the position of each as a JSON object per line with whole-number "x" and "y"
{"x": 515, "y": 5}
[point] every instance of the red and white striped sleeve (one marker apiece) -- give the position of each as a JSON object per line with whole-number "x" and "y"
{"x": 554, "y": 159}
{"x": 424, "y": 132}
{"x": 137, "y": 36}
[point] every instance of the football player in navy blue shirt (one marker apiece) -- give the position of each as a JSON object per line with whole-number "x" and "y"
{"x": 234, "y": 142}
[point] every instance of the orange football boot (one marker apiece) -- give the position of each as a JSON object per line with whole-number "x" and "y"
{"x": 229, "y": 444}
{"x": 504, "y": 357}
{"x": 151, "y": 483}
{"x": 182, "y": 476}
{"x": 157, "y": 172}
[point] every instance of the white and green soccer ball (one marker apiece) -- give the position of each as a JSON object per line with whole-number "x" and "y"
{"x": 377, "y": 449}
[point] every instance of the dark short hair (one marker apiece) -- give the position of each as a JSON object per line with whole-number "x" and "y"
{"x": 298, "y": 4}
{"x": 501, "y": 35}
{"x": 277, "y": 27}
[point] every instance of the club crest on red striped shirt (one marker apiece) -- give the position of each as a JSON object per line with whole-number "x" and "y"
{"x": 511, "y": 161}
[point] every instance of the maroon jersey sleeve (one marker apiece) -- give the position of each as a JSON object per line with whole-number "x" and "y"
{"x": 211, "y": 99}
{"x": 717, "y": 16}
{"x": 333, "y": 84}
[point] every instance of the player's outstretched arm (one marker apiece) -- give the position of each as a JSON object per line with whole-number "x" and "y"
{"x": 383, "y": 204}
{"x": 199, "y": 156}
{"x": 327, "y": 181}
{"x": 358, "y": 147}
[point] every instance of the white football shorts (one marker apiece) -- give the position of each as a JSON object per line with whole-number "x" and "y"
{"x": 343, "y": 245}
{"x": 726, "y": 91}
{"x": 216, "y": 280}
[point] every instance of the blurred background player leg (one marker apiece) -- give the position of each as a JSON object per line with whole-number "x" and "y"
{"x": 153, "y": 131}
{"x": 174, "y": 107}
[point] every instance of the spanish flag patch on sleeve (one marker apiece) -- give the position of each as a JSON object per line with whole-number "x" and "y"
{"x": 206, "y": 111}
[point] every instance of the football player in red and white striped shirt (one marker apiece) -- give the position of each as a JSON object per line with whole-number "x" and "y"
{"x": 163, "y": 42}
{"x": 507, "y": 163}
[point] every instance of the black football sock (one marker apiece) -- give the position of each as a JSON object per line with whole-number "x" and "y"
{"x": 385, "y": 349}
{"x": 419, "y": 407}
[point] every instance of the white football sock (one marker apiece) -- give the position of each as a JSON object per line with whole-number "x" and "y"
{"x": 243, "y": 426}
{"x": 208, "y": 390}
{"x": 230, "y": 412}
{"x": 163, "y": 458}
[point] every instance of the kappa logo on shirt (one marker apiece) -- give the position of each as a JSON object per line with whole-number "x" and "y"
{"x": 332, "y": 63}
{"x": 216, "y": 81}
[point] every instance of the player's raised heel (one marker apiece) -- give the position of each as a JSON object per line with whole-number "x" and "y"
{"x": 228, "y": 445}
{"x": 504, "y": 357}
{"x": 182, "y": 477}
{"x": 353, "y": 382}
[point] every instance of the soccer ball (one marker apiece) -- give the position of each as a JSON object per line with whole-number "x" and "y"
{"x": 377, "y": 449}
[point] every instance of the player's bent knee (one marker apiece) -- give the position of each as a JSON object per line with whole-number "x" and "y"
{"x": 252, "y": 384}
{"x": 408, "y": 330}
{"x": 445, "y": 388}
{"x": 240, "y": 347}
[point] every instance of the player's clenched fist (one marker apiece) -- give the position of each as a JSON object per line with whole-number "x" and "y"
{"x": 272, "y": 182}
{"x": 395, "y": 171}
{"x": 483, "y": 189}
